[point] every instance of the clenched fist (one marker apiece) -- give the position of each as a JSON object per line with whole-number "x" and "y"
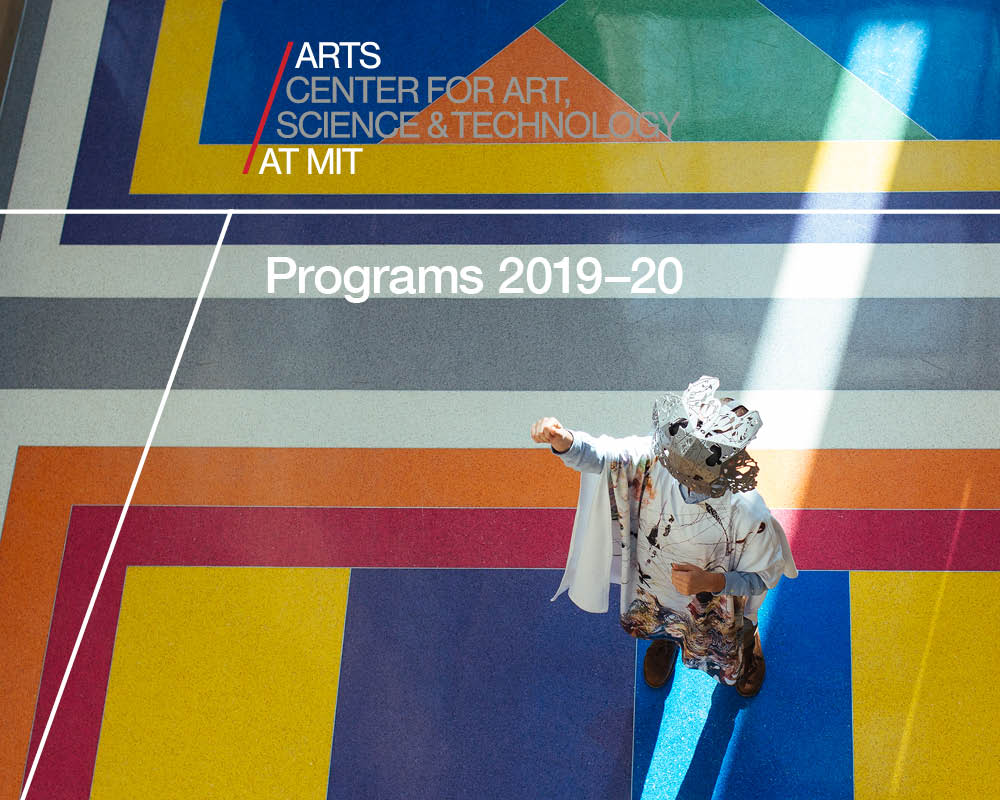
{"x": 689, "y": 579}
{"x": 548, "y": 430}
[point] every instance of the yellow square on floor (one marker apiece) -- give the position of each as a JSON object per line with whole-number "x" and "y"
{"x": 223, "y": 683}
{"x": 926, "y": 701}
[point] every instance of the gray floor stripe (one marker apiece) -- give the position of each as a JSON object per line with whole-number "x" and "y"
{"x": 18, "y": 96}
{"x": 540, "y": 345}
{"x": 91, "y": 344}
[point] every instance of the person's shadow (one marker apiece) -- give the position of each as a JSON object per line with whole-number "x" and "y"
{"x": 706, "y": 763}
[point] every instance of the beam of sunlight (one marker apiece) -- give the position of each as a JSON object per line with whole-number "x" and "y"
{"x": 809, "y": 343}
{"x": 911, "y": 713}
{"x": 685, "y": 714}
{"x": 800, "y": 348}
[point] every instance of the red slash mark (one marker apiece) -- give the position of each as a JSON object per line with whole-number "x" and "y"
{"x": 267, "y": 108}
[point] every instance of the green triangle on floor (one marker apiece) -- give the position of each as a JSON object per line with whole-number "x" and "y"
{"x": 732, "y": 69}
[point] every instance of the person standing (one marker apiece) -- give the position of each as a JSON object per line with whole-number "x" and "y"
{"x": 674, "y": 517}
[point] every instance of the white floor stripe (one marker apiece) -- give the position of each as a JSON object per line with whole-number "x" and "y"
{"x": 36, "y": 265}
{"x": 121, "y": 518}
{"x": 299, "y": 418}
{"x": 858, "y": 420}
{"x": 59, "y": 102}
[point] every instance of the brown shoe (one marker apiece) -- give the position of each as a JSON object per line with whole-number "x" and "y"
{"x": 658, "y": 665}
{"x": 753, "y": 667}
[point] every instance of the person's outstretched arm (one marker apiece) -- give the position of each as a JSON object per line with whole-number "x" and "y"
{"x": 583, "y": 452}
{"x": 548, "y": 430}
{"x": 576, "y": 449}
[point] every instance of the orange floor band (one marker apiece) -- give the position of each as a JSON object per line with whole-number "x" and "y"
{"x": 48, "y": 481}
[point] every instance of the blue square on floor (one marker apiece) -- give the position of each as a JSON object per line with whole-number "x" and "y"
{"x": 470, "y": 683}
{"x": 699, "y": 740}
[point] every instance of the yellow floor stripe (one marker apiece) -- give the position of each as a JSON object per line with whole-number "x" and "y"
{"x": 223, "y": 683}
{"x": 170, "y": 160}
{"x": 924, "y": 651}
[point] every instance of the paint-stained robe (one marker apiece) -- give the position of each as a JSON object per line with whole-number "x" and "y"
{"x": 632, "y": 523}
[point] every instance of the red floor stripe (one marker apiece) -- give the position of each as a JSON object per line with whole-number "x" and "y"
{"x": 267, "y": 108}
{"x": 397, "y": 538}
{"x": 911, "y": 540}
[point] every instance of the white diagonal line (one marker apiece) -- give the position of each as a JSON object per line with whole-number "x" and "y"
{"x": 128, "y": 501}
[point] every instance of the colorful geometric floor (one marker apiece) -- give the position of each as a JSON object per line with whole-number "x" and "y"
{"x": 333, "y": 579}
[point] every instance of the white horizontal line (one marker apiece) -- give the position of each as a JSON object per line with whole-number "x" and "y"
{"x": 619, "y": 279}
{"x": 500, "y": 211}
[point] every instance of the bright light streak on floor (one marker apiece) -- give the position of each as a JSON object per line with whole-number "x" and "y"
{"x": 911, "y": 714}
{"x": 814, "y": 346}
{"x": 817, "y": 356}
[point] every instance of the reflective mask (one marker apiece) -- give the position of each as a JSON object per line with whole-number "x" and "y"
{"x": 701, "y": 441}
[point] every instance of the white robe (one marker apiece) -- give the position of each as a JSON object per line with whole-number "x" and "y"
{"x": 738, "y": 533}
